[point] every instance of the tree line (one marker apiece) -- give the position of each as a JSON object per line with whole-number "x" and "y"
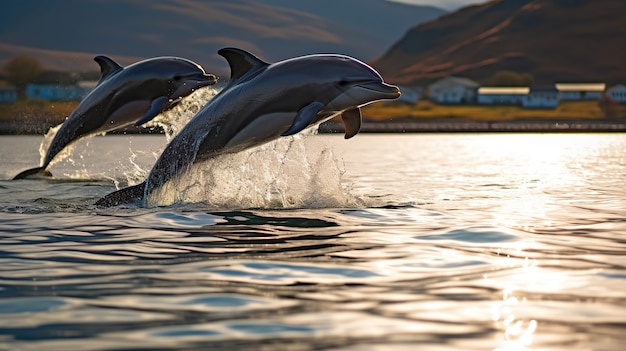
{"x": 22, "y": 70}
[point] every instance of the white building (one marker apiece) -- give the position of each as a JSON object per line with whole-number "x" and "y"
{"x": 408, "y": 94}
{"x": 617, "y": 93}
{"x": 502, "y": 95}
{"x": 541, "y": 98}
{"x": 580, "y": 91}
{"x": 453, "y": 90}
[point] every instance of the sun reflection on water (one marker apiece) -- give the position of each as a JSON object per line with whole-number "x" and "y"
{"x": 518, "y": 334}
{"x": 545, "y": 166}
{"x": 518, "y": 331}
{"x": 538, "y": 167}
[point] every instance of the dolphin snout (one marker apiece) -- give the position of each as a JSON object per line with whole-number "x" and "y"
{"x": 199, "y": 81}
{"x": 207, "y": 79}
{"x": 387, "y": 90}
{"x": 188, "y": 84}
{"x": 394, "y": 90}
{"x": 211, "y": 78}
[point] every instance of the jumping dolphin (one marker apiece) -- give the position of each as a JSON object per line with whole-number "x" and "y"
{"x": 262, "y": 102}
{"x": 125, "y": 95}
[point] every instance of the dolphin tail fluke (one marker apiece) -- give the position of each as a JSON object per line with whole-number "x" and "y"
{"x": 37, "y": 172}
{"x": 123, "y": 196}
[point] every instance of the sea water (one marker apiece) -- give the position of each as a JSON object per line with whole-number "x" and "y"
{"x": 380, "y": 242}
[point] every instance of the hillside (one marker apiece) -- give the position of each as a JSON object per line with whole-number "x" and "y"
{"x": 554, "y": 40}
{"x": 66, "y": 35}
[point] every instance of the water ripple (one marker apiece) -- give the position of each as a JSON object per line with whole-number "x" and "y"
{"x": 480, "y": 248}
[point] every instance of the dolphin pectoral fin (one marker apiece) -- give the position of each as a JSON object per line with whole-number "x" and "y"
{"x": 156, "y": 107}
{"x": 123, "y": 196}
{"x": 305, "y": 116}
{"x": 241, "y": 62}
{"x": 352, "y": 122}
{"x": 108, "y": 67}
{"x": 38, "y": 172}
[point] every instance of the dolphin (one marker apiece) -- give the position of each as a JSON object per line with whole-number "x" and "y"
{"x": 123, "y": 96}
{"x": 263, "y": 102}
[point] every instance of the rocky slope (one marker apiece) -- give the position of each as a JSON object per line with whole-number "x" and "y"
{"x": 554, "y": 40}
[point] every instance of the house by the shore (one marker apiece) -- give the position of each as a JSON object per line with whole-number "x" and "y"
{"x": 580, "y": 91}
{"x": 617, "y": 93}
{"x": 59, "y": 92}
{"x": 409, "y": 94}
{"x": 542, "y": 97}
{"x": 453, "y": 90}
{"x": 501, "y": 95}
{"x": 528, "y": 97}
{"x": 8, "y": 94}
{"x": 459, "y": 90}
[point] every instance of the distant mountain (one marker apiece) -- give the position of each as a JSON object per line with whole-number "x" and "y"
{"x": 554, "y": 40}
{"x": 65, "y": 35}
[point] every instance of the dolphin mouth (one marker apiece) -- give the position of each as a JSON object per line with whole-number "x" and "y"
{"x": 387, "y": 91}
{"x": 193, "y": 82}
{"x": 202, "y": 80}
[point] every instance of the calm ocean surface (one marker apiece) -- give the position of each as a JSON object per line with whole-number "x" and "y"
{"x": 382, "y": 242}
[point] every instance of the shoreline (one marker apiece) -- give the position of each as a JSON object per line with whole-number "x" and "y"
{"x": 36, "y": 117}
{"x": 471, "y": 126}
{"x": 41, "y": 127}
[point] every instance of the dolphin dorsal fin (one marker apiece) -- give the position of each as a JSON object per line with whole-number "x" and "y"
{"x": 108, "y": 67}
{"x": 241, "y": 62}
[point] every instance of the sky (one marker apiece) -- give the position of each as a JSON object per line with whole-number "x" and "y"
{"x": 444, "y": 4}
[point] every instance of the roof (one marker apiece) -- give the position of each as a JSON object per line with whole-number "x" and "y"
{"x": 87, "y": 84}
{"x": 580, "y": 86}
{"x": 503, "y": 90}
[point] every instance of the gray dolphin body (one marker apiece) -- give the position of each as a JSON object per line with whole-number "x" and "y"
{"x": 123, "y": 96}
{"x": 261, "y": 103}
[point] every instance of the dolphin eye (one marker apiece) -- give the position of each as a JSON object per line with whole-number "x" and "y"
{"x": 178, "y": 78}
{"x": 343, "y": 83}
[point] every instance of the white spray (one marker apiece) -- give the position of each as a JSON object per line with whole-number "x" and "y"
{"x": 291, "y": 172}
{"x": 171, "y": 121}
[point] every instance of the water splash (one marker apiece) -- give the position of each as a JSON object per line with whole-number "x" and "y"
{"x": 134, "y": 173}
{"x": 173, "y": 120}
{"x": 67, "y": 157}
{"x": 45, "y": 144}
{"x": 73, "y": 156}
{"x": 292, "y": 172}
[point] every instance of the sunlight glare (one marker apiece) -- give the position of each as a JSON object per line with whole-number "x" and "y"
{"x": 545, "y": 163}
{"x": 518, "y": 335}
